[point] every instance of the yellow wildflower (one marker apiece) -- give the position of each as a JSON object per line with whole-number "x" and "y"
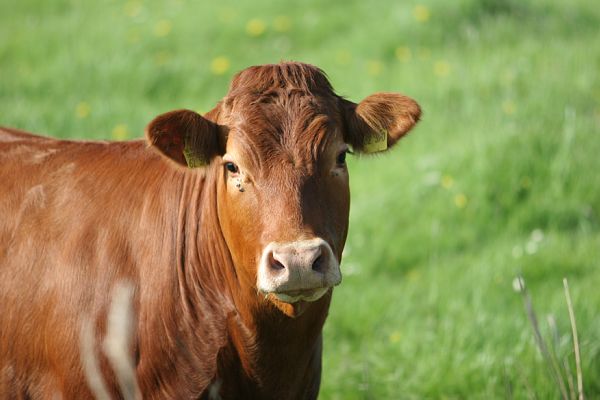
{"x": 395, "y": 337}
{"x": 421, "y": 13}
{"x": 374, "y": 67}
{"x": 282, "y": 23}
{"x": 255, "y": 27}
{"x": 133, "y": 8}
{"x": 82, "y": 110}
{"x": 161, "y": 58}
{"x": 120, "y": 132}
{"x": 442, "y": 68}
{"x": 413, "y": 275}
{"x": 162, "y": 28}
{"x": 460, "y": 200}
{"x": 508, "y": 107}
{"x": 447, "y": 181}
{"x": 403, "y": 53}
{"x": 220, "y": 65}
{"x": 343, "y": 57}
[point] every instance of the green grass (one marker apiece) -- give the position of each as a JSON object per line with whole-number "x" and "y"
{"x": 508, "y": 148}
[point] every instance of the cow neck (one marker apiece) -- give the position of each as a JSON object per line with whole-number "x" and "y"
{"x": 271, "y": 347}
{"x": 202, "y": 256}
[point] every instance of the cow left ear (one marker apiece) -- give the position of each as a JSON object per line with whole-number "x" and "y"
{"x": 379, "y": 121}
{"x": 185, "y": 137}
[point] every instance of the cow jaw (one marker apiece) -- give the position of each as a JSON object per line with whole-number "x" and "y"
{"x": 297, "y": 272}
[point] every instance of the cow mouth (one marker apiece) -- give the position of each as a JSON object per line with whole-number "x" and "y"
{"x": 294, "y": 296}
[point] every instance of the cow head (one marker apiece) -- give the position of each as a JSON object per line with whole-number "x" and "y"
{"x": 279, "y": 140}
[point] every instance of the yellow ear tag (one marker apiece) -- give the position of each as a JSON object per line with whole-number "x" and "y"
{"x": 191, "y": 158}
{"x": 376, "y": 142}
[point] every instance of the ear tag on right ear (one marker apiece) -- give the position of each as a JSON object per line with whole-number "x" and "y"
{"x": 191, "y": 158}
{"x": 377, "y": 142}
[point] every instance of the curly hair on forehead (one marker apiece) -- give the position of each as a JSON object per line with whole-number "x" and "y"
{"x": 287, "y": 76}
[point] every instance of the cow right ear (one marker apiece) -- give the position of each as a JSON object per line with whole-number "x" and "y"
{"x": 185, "y": 137}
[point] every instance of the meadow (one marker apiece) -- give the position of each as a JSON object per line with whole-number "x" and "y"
{"x": 500, "y": 179}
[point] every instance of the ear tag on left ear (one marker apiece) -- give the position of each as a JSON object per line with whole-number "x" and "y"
{"x": 377, "y": 142}
{"x": 191, "y": 158}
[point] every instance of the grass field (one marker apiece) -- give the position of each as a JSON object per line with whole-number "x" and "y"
{"x": 501, "y": 178}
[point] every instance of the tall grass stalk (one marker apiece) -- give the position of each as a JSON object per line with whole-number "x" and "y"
{"x": 557, "y": 371}
{"x": 575, "y": 340}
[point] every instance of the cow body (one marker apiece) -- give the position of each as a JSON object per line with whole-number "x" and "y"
{"x": 78, "y": 217}
{"x": 55, "y": 213}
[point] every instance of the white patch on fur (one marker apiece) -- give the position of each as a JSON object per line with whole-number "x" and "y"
{"x": 41, "y": 156}
{"x": 34, "y": 198}
{"x": 214, "y": 390}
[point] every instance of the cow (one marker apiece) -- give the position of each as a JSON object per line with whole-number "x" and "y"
{"x": 229, "y": 226}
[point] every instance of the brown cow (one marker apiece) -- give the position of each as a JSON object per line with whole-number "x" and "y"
{"x": 232, "y": 262}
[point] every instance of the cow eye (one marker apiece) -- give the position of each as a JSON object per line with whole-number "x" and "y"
{"x": 341, "y": 158}
{"x": 231, "y": 167}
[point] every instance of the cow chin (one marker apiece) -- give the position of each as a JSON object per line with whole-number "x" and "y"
{"x": 301, "y": 295}
{"x": 294, "y": 306}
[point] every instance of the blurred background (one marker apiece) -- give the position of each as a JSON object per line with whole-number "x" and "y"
{"x": 500, "y": 179}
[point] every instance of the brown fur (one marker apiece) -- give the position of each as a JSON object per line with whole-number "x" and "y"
{"x": 76, "y": 217}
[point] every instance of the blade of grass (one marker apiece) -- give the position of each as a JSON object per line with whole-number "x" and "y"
{"x": 575, "y": 340}
{"x": 550, "y": 361}
{"x": 565, "y": 362}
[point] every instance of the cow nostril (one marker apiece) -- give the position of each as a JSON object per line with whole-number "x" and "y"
{"x": 275, "y": 264}
{"x": 317, "y": 265}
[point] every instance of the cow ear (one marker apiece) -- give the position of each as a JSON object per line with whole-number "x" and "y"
{"x": 185, "y": 137}
{"x": 379, "y": 121}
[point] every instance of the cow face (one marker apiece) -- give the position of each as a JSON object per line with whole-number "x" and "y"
{"x": 279, "y": 141}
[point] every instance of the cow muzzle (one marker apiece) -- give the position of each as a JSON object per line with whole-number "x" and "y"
{"x": 298, "y": 271}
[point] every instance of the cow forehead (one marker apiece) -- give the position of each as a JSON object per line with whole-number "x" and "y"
{"x": 297, "y": 125}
